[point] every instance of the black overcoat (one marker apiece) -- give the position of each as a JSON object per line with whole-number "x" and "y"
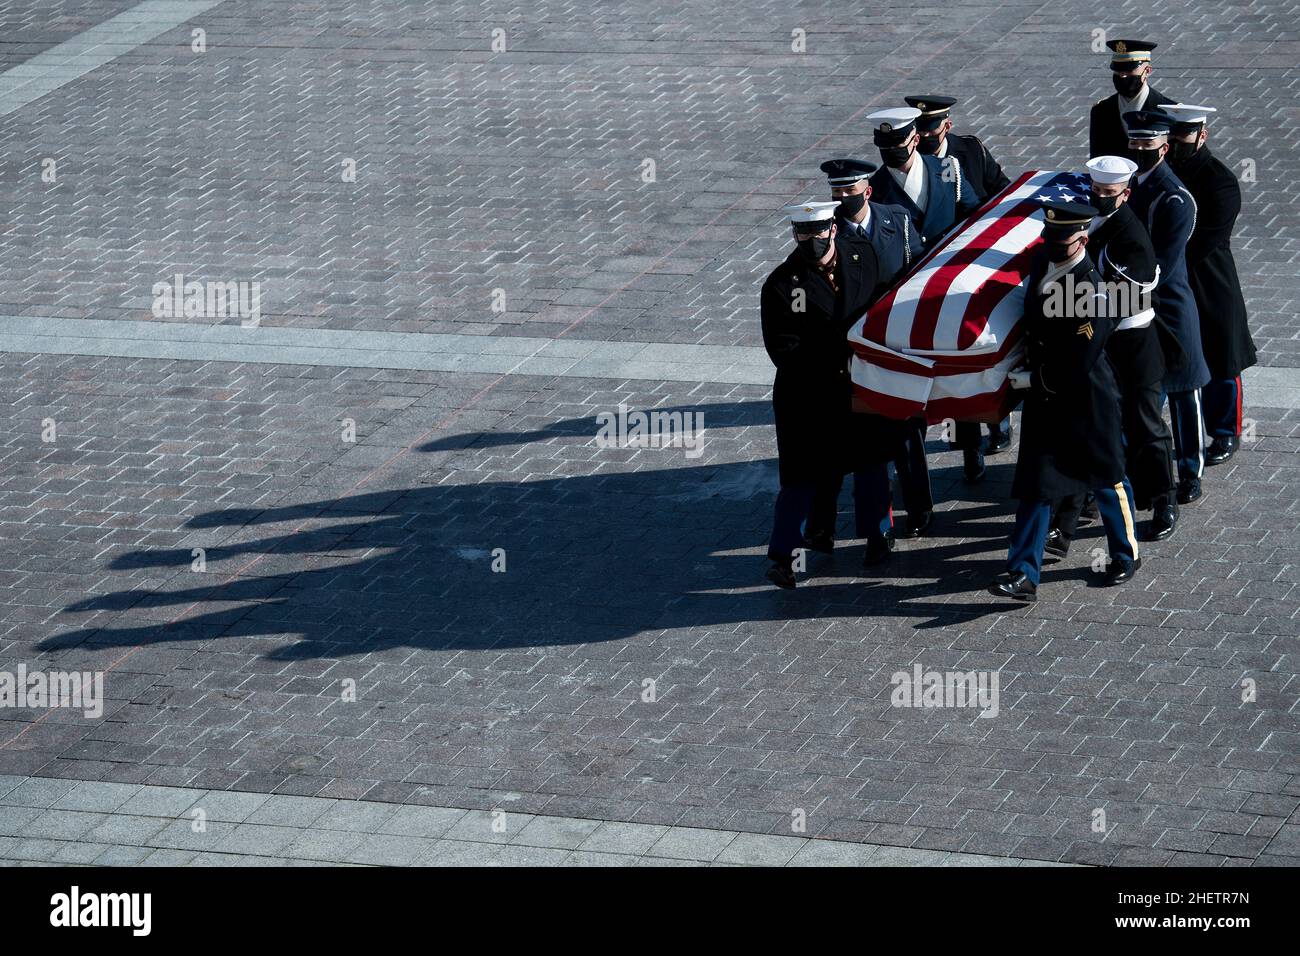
{"x": 1106, "y": 133}
{"x": 804, "y": 331}
{"x": 1070, "y": 438}
{"x": 977, "y": 163}
{"x": 1211, "y": 270}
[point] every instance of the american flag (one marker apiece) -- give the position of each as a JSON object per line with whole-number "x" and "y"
{"x": 941, "y": 342}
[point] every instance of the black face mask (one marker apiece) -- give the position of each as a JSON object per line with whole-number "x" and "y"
{"x": 1145, "y": 158}
{"x": 1057, "y": 251}
{"x": 895, "y": 156}
{"x": 814, "y": 247}
{"x": 850, "y": 206}
{"x": 1181, "y": 152}
{"x": 1127, "y": 85}
{"x": 1103, "y": 204}
{"x": 929, "y": 145}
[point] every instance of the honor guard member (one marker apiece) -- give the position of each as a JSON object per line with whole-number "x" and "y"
{"x": 1070, "y": 427}
{"x": 1212, "y": 272}
{"x": 888, "y": 233}
{"x": 938, "y": 139}
{"x": 1164, "y": 205}
{"x": 935, "y": 192}
{"x": 888, "y": 229}
{"x": 1121, "y": 250}
{"x": 980, "y": 168}
{"x": 936, "y": 196}
{"x": 1130, "y": 65}
{"x": 808, "y": 303}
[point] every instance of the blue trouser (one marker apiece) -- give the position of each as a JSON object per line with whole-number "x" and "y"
{"x": 1221, "y": 403}
{"x": 871, "y": 506}
{"x": 1033, "y": 518}
{"x": 1189, "y": 432}
{"x": 793, "y": 504}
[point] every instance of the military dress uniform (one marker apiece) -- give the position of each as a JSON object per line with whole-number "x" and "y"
{"x": 892, "y": 237}
{"x": 983, "y": 171}
{"x": 977, "y": 163}
{"x": 1167, "y": 210}
{"x": 1121, "y": 249}
{"x": 1107, "y": 135}
{"x": 806, "y": 309}
{"x": 885, "y": 234}
{"x": 1125, "y": 256}
{"x": 945, "y": 197}
{"x": 935, "y": 195}
{"x": 1212, "y": 273}
{"x": 1070, "y": 441}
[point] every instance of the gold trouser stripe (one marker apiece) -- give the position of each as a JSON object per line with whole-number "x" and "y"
{"x": 1128, "y": 519}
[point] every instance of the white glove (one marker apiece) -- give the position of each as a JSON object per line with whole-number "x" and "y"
{"x": 1019, "y": 377}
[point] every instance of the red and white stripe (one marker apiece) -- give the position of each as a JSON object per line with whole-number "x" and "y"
{"x": 941, "y": 342}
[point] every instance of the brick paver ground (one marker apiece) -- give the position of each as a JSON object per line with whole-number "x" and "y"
{"x": 334, "y": 567}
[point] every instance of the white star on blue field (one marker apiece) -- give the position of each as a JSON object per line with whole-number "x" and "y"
{"x": 1070, "y": 187}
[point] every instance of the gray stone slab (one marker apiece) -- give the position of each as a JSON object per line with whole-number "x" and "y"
{"x": 354, "y": 816}
{"x": 182, "y": 835}
{"x": 13, "y": 819}
{"x": 906, "y": 856}
{"x": 420, "y": 821}
{"x": 332, "y": 845}
{"x": 38, "y": 792}
{"x": 259, "y": 840}
{"x": 688, "y": 843}
{"x": 289, "y": 811}
{"x": 160, "y": 801}
{"x": 558, "y": 832}
{"x": 123, "y": 856}
{"x": 124, "y": 830}
{"x": 756, "y": 849}
{"x": 830, "y": 853}
{"x": 97, "y": 796}
{"x": 486, "y": 826}
{"x": 228, "y": 805}
{"x": 62, "y": 824}
{"x": 634, "y": 839}
{"x": 380, "y": 849}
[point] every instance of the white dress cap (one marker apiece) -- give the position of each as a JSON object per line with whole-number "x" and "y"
{"x": 1187, "y": 113}
{"x": 896, "y": 117}
{"x": 810, "y": 211}
{"x": 1105, "y": 170}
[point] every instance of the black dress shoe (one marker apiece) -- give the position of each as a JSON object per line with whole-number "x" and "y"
{"x": 916, "y": 526}
{"x": 1120, "y": 571}
{"x": 1014, "y": 585}
{"x": 1056, "y": 543}
{"x": 820, "y": 542}
{"x": 1221, "y": 449}
{"x": 1189, "y": 491}
{"x": 998, "y": 442}
{"x": 782, "y": 575}
{"x": 878, "y": 550}
{"x": 1164, "y": 519}
{"x": 972, "y": 464}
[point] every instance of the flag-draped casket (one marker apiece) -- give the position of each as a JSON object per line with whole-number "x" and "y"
{"x": 941, "y": 342}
